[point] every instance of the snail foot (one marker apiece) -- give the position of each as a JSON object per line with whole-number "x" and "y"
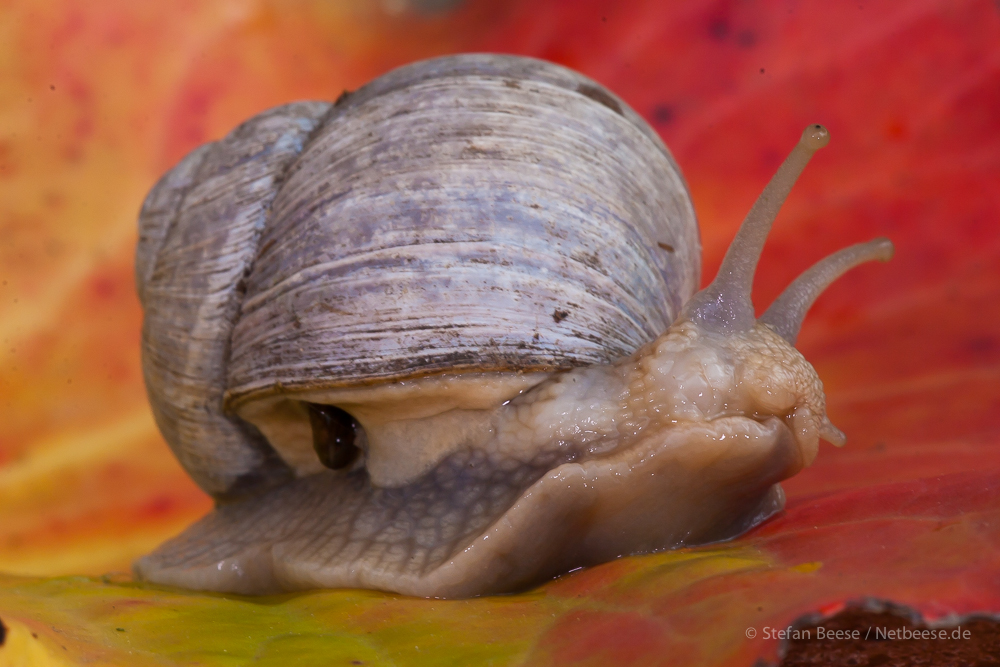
{"x": 475, "y": 526}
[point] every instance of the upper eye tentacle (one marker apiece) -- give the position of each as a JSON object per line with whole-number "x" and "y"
{"x": 724, "y": 306}
{"x": 785, "y": 315}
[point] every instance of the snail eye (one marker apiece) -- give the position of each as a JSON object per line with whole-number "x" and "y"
{"x": 333, "y": 435}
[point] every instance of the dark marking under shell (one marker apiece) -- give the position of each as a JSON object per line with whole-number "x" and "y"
{"x": 333, "y": 435}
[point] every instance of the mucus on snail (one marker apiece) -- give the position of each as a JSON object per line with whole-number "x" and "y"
{"x": 442, "y": 338}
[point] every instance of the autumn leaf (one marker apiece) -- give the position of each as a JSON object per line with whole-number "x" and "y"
{"x": 100, "y": 98}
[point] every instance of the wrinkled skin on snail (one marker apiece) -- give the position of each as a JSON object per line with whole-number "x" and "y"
{"x": 470, "y": 483}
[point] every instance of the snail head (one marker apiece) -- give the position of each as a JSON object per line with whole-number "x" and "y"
{"x": 769, "y": 376}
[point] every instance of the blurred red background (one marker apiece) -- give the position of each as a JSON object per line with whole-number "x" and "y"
{"x": 98, "y": 99}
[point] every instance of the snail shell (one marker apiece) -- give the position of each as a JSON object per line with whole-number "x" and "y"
{"x": 459, "y": 278}
{"x": 452, "y": 216}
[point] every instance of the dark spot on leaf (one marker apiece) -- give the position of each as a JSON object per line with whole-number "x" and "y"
{"x": 431, "y": 7}
{"x": 761, "y": 70}
{"x": 120, "y": 629}
{"x": 982, "y": 344}
{"x": 718, "y": 29}
{"x": 600, "y": 96}
{"x": 559, "y": 315}
{"x": 663, "y": 114}
{"x": 665, "y": 246}
{"x": 746, "y": 39}
{"x": 3, "y": 633}
{"x": 52, "y": 86}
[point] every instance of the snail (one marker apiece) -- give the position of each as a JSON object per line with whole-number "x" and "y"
{"x": 442, "y": 337}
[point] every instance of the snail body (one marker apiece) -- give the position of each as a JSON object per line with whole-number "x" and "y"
{"x": 442, "y": 338}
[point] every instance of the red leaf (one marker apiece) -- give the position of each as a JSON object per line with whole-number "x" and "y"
{"x": 909, "y": 351}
